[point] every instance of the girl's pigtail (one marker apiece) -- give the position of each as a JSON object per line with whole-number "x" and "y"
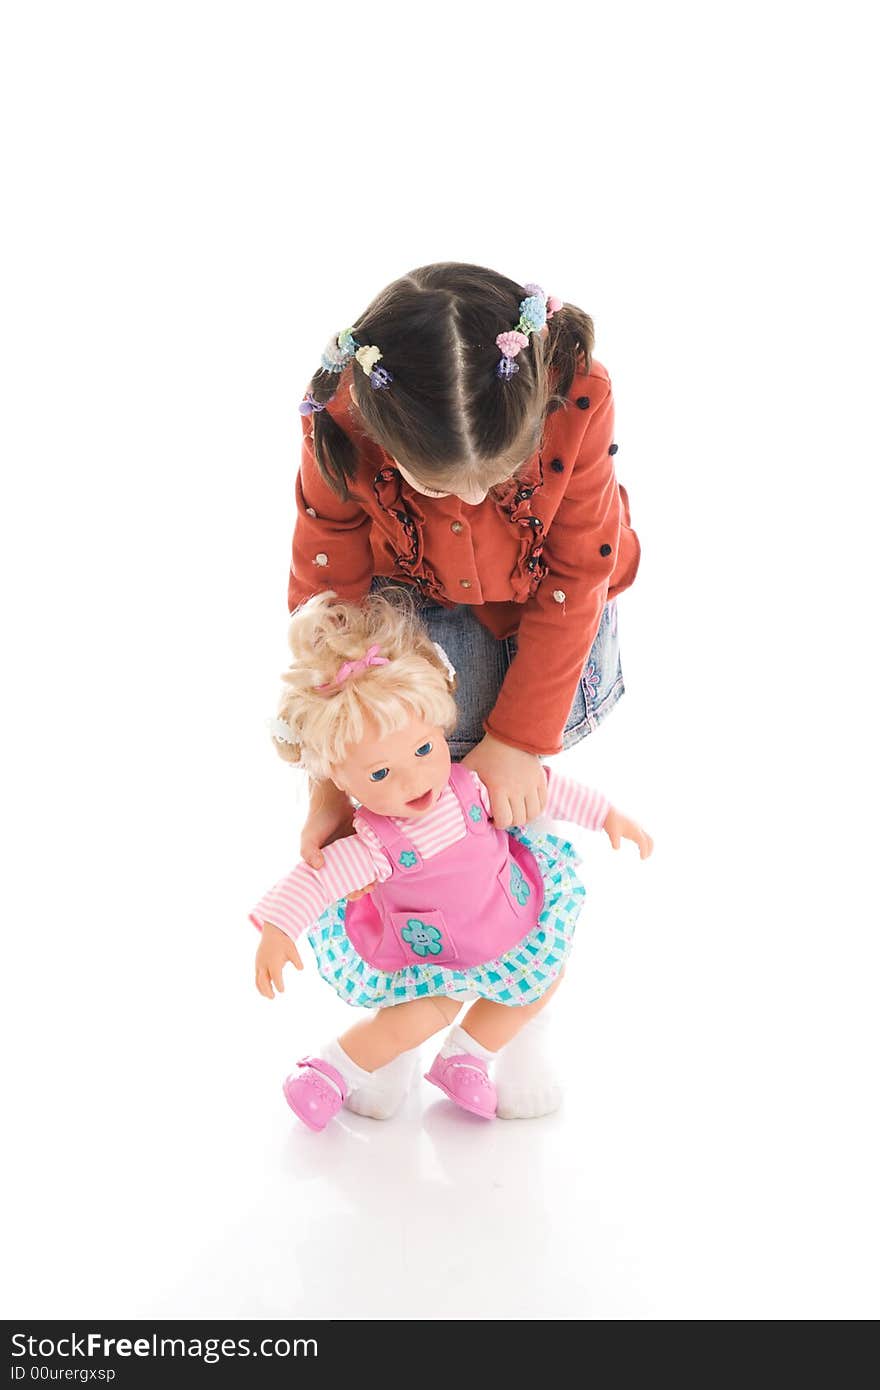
{"x": 569, "y": 348}
{"x": 334, "y": 452}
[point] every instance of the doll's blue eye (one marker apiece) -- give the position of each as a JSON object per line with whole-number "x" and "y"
{"x": 424, "y": 750}
{"x": 379, "y": 775}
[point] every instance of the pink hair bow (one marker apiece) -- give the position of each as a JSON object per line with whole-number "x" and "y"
{"x": 370, "y": 657}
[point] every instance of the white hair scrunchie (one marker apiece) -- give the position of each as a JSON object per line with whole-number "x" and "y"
{"x": 281, "y": 732}
{"x": 450, "y": 669}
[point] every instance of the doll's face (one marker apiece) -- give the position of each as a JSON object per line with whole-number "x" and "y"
{"x": 400, "y": 774}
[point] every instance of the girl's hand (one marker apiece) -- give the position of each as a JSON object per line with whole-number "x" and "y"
{"x": 330, "y": 817}
{"x": 516, "y": 781}
{"x": 619, "y": 827}
{"x": 273, "y": 953}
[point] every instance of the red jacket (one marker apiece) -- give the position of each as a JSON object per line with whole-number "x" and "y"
{"x": 539, "y": 557}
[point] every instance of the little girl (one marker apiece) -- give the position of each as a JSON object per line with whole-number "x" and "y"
{"x": 459, "y": 440}
{"x": 459, "y": 906}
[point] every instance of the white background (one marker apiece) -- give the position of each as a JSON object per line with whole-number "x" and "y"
{"x": 196, "y": 196}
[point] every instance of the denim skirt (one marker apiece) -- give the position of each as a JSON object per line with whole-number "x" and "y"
{"x": 482, "y": 661}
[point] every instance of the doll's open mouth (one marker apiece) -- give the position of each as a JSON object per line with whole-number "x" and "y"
{"x": 420, "y": 803}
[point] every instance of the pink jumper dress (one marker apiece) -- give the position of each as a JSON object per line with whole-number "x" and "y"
{"x": 464, "y": 906}
{"x": 492, "y": 914}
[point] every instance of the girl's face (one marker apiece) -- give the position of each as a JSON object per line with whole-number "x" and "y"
{"x": 400, "y": 774}
{"x": 473, "y": 496}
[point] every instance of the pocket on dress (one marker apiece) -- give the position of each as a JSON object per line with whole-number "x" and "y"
{"x": 424, "y": 937}
{"x": 517, "y": 889}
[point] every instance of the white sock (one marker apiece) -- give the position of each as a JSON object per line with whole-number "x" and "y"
{"x": 351, "y": 1073}
{"x": 376, "y": 1094}
{"x": 525, "y": 1077}
{"x": 458, "y": 1041}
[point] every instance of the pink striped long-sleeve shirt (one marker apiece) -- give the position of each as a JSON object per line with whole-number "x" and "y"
{"x": 298, "y": 899}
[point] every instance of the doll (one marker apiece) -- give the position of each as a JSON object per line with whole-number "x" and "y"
{"x": 456, "y": 907}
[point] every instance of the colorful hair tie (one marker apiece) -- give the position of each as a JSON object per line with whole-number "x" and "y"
{"x": 336, "y": 356}
{"x": 339, "y": 352}
{"x": 534, "y": 311}
{"x": 309, "y": 406}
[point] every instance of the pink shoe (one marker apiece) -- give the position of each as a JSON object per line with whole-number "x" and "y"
{"x": 315, "y": 1094}
{"x": 465, "y": 1079}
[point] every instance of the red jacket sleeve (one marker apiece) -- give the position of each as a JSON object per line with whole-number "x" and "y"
{"x": 559, "y": 624}
{"x": 331, "y": 539}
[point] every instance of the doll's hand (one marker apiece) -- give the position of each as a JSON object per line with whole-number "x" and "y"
{"x": 273, "y": 953}
{"x": 618, "y": 827}
{"x": 329, "y": 818}
{"x": 516, "y": 781}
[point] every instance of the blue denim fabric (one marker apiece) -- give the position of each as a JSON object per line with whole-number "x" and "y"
{"x": 481, "y": 662}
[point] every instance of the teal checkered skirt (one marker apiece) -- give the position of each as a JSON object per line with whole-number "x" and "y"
{"x": 520, "y": 976}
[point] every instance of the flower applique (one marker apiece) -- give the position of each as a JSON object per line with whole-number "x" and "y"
{"x": 590, "y": 680}
{"x": 424, "y": 939}
{"x": 518, "y": 886}
{"x": 408, "y": 859}
{"x": 475, "y": 814}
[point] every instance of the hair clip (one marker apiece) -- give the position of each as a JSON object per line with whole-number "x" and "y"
{"x": 336, "y": 357}
{"x": 534, "y": 311}
{"x": 309, "y": 406}
{"x": 368, "y": 357}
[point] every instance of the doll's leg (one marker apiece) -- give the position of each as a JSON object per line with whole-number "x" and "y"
{"x": 378, "y": 1040}
{"x": 379, "y": 1057}
{"x": 461, "y": 1068}
{"x": 493, "y": 1025}
{"x": 526, "y": 1073}
{"x": 369, "y": 1069}
{"x": 380, "y": 1093}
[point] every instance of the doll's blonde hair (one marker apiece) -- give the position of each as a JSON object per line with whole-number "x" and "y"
{"x": 322, "y": 724}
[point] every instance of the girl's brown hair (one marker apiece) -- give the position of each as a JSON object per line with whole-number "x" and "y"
{"x": 447, "y": 416}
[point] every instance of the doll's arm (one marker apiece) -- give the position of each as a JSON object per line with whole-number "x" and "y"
{"x": 569, "y": 800}
{"x": 298, "y": 899}
{"x": 619, "y": 827}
